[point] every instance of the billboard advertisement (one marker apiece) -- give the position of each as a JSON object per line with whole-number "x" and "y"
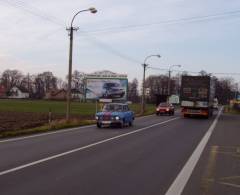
{"x": 106, "y": 88}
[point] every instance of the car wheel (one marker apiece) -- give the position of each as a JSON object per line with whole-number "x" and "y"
{"x": 122, "y": 124}
{"x": 130, "y": 123}
{"x": 99, "y": 125}
{"x": 157, "y": 113}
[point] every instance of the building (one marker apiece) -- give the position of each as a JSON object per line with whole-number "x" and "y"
{"x": 60, "y": 94}
{"x": 18, "y": 93}
{"x": 3, "y": 91}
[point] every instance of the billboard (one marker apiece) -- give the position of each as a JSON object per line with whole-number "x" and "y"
{"x": 106, "y": 88}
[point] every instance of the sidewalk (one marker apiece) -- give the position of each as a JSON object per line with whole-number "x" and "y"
{"x": 218, "y": 170}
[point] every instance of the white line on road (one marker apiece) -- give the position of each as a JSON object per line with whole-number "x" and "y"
{"x": 57, "y": 132}
{"x": 82, "y": 148}
{"x": 44, "y": 134}
{"x": 181, "y": 180}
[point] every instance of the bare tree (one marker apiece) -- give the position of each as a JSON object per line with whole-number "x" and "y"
{"x": 77, "y": 80}
{"x": 225, "y": 90}
{"x": 44, "y": 82}
{"x": 133, "y": 91}
{"x": 11, "y": 78}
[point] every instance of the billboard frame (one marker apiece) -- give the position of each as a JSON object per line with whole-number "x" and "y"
{"x": 100, "y": 77}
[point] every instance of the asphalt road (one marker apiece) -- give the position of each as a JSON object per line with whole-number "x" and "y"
{"x": 141, "y": 160}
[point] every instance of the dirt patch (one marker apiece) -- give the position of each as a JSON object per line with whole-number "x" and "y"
{"x": 25, "y": 120}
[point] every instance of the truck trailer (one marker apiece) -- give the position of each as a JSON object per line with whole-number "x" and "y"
{"x": 197, "y": 96}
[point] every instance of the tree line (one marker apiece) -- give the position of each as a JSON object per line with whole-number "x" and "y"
{"x": 39, "y": 84}
{"x": 225, "y": 88}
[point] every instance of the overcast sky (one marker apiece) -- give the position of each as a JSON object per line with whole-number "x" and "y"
{"x": 33, "y": 36}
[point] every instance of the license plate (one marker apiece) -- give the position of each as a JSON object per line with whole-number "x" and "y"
{"x": 194, "y": 111}
{"x": 106, "y": 122}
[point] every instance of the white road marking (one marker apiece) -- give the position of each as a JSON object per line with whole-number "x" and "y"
{"x": 230, "y": 184}
{"x": 82, "y": 148}
{"x": 44, "y": 134}
{"x": 181, "y": 180}
{"x": 56, "y": 132}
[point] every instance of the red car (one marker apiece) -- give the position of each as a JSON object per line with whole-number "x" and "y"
{"x": 165, "y": 108}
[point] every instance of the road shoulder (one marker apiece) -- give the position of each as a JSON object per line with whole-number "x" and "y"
{"x": 218, "y": 170}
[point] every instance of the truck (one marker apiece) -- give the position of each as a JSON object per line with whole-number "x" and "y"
{"x": 197, "y": 96}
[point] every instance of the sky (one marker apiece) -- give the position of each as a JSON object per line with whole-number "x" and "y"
{"x": 198, "y": 35}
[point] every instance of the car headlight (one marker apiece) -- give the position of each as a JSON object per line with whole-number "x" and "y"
{"x": 97, "y": 117}
{"x": 167, "y": 109}
{"x": 117, "y": 118}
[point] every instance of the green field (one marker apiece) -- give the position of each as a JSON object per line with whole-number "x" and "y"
{"x": 58, "y": 107}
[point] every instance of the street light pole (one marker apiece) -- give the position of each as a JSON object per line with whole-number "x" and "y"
{"x": 169, "y": 78}
{"x": 143, "y": 83}
{"x": 71, "y": 29}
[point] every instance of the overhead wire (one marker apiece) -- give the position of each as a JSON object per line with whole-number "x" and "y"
{"x": 108, "y": 48}
{"x": 38, "y": 13}
{"x": 217, "y": 16}
{"x": 195, "y": 72}
{"x": 18, "y": 4}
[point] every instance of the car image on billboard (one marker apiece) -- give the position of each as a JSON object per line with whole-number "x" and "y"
{"x": 106, "y": 88}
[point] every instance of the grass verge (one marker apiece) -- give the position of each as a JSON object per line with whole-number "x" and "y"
{"x": 54, "y": 126}
{"x": 230, "y": 110}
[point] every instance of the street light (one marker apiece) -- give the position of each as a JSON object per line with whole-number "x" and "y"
{"x": 169, "y": 78}
{"x": 71, "y": 29}
{"x": 143, "y": 84}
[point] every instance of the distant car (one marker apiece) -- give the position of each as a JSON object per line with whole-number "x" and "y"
{"x": 113, "y": 90}
{"x": 165, "y": 108}
{"x": 115, "y": 114}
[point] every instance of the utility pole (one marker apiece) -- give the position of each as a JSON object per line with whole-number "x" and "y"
{"x": 143, "y": 89}
{"x": 169, "y": 78}
{"x": 169, "y": 82}
{"x": 143, "y": 84}
{"x": 71, "y": 29}
{"x": 28, "y": 83}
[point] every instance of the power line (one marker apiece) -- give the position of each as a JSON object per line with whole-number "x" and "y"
{"x": 18, "y": 4}
{"x": 192, "y": 72}
{"x": 209, "y": 17}
{"x": 108, "y": 48}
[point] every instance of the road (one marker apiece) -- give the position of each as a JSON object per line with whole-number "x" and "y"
{"x": 144, "y": 159}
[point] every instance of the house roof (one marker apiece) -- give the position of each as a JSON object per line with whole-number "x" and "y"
{"x": 54, "y": 93}
{"x": 22, "y": 89}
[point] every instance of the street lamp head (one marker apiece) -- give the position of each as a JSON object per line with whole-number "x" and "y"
{"x": 158, "y": 56}
{"x": 92, "y": 10}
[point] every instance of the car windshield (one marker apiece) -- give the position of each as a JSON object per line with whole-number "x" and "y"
{"x": 112, "y": 108}
{"x": 164, "y": 105}
{"x": 112, "y": 85}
